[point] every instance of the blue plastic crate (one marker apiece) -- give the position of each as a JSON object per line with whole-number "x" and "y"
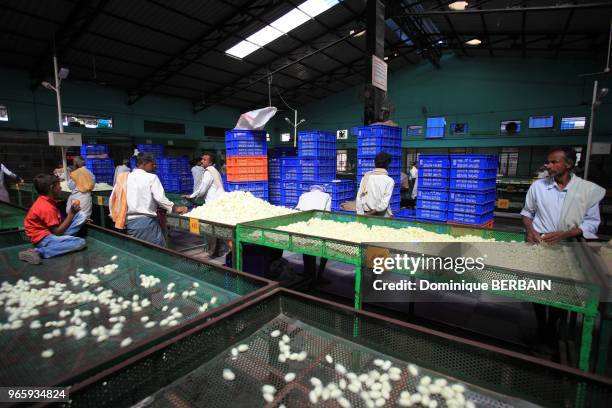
{"x": 172, "y": 165}
{"x": 437, "y": 172}
{"x": 435, "y": 183}
{"x": 434, "y": 215}
{"x": 370, "y": 151}
{"x": 317, "y": 148}
{"x": 432, "y": 195}
{"x": 406, "y": 214}
{"x": 472, "y": 219}
{"x": 433, "y": 161}
{"x": 367, "y": 163}
{"x": 471, "y": 197}
{"x": 246, "y": 135}
{"x": 274, "y": 168}
{"x": 432, "y": 205}
{"x": 471, "y": 184}
{"x": 316, "y": 135}
{"x": 307, "y": 169}
{"x": 283, "y": 151}
{"x": 245, "y": 148}
{"x": 100, "y": 165}
{"x": 466, "y": 161}
{"x": 258, "y": 188}
{"x": 471, "y": 208}
{"x": 156, "y": 150}
{"x": 473, "y": 173}
{"x": 93, "y": 149}
{"x": 104, "y": 178}
{"x": 378, "y": 133}
{"x": 177, "y": 183}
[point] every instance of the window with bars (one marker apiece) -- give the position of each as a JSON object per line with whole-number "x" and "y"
{"x": 435, "y": 127}
{"x": 4, "y": 117}
{"x": 341, "y": 160}
{"x": 508, "y": 161}
{"x": 87, "y": 121}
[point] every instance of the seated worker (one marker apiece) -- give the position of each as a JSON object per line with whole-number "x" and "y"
{"x": 562, "y": 205}
{"x": 315, "y": 199}
{"x": 376, "y": 188}
{"x": 44, "y": 226}
{"x": 81, "y": 182}
{"x": 135, "y": 199}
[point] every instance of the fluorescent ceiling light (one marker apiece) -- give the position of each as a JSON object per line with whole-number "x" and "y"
{"x": 474, "y": 41}
{"x": 282, "y": 25}
{"x": 458, "y": 5}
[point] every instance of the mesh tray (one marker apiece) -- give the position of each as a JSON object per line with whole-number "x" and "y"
{"x": 188, "y": 371}
{"x": 21, "y": 349}
{"x": 11, "y": 217}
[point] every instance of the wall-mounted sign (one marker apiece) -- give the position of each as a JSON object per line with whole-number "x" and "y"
{"x": 379, "y": 73}
{"x": 342, "y": 134}
{"x": 65, "y": 139}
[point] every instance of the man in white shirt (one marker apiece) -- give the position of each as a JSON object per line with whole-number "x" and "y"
{"x": 145, "y": 194}
{"x": 414, "y": 179}
{"x": 210, "y": 189}
{"x": 4, "y": 195}
{"x": 563, "y": 205}
{"x": 197, "y": 171}
{"x": 315, "y": 199}
{"x": 211, "y": 184}
{"x": 376, "y": 188}
{"x": 124, "y": 167}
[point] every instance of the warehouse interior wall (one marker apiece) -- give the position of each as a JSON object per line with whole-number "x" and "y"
{"x": 481, "y": 91}
{"x": 36, "y": 111}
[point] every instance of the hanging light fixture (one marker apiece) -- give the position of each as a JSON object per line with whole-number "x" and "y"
{"x": 474, "y": 41}
{"x": 458, "y": 5}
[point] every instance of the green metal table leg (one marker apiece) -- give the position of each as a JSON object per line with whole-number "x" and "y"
{"x": 604, "y": 347}
{"x": 102, "y": 217}
{"x": 588, "y": 325}
{"x": 358, "y": 281}
{"x": 19, "y": 200}
{"x": 238, "y": 249}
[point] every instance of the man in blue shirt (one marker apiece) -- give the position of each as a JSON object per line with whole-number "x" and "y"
{"x": 561, "y": 206}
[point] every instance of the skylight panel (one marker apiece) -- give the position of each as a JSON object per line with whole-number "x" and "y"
{"x": 264, "y": 36}
{"x": 289, "y": 21}
{"x": 315, "y": 7}
{"x": 242, "y": 49}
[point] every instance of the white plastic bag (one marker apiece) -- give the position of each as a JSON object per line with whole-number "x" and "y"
{"x": 256, "y": 119}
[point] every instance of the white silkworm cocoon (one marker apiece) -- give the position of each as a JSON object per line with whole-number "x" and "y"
{"x": 47, "y": 353}
{"x": 228, "y": 374}
{"x": 289, "y": 377}
{"x": 329, "y": 359}
{"x": 243, "y": 347}
{"x": 126, "y": 342}
{"x": 275, "y": 333}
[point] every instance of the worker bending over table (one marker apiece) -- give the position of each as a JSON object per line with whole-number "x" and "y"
{"x": 136, "y": 198}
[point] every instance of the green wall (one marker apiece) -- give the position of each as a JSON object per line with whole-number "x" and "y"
{"x": 481, "y": 91}
{"x": 36, "y": 111}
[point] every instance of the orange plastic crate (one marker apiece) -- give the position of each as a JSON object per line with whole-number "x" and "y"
{"x": 247, "y": 168}
{"x": 486, "y": 225}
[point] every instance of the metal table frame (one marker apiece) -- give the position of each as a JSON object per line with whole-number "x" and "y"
{"x": 255, "y": 233}
{"x": 584, "y": 388}
{"x": 267, "y": 285}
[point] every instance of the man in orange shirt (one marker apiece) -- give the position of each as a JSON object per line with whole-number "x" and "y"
{"x": 43, "y": 224}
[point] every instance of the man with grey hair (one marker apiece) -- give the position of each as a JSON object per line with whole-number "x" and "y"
{"x": 81, "y": 182}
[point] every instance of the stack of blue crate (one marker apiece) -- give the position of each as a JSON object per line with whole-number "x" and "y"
{"x": 103, "y": 169}
{"x": 247, "y": 143}
{"x": 314, "y": 164}
{"x": 156, "y": 150}
{"x": 274, "y": 180}
{"x": 340, "y": 190}
{"x": 472, "y": 189}
{"x": 375, "y": 139}
{"x": 174, "y": 174}
{"x": 93, "y": 150}
{"x": 432, "y": 187}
